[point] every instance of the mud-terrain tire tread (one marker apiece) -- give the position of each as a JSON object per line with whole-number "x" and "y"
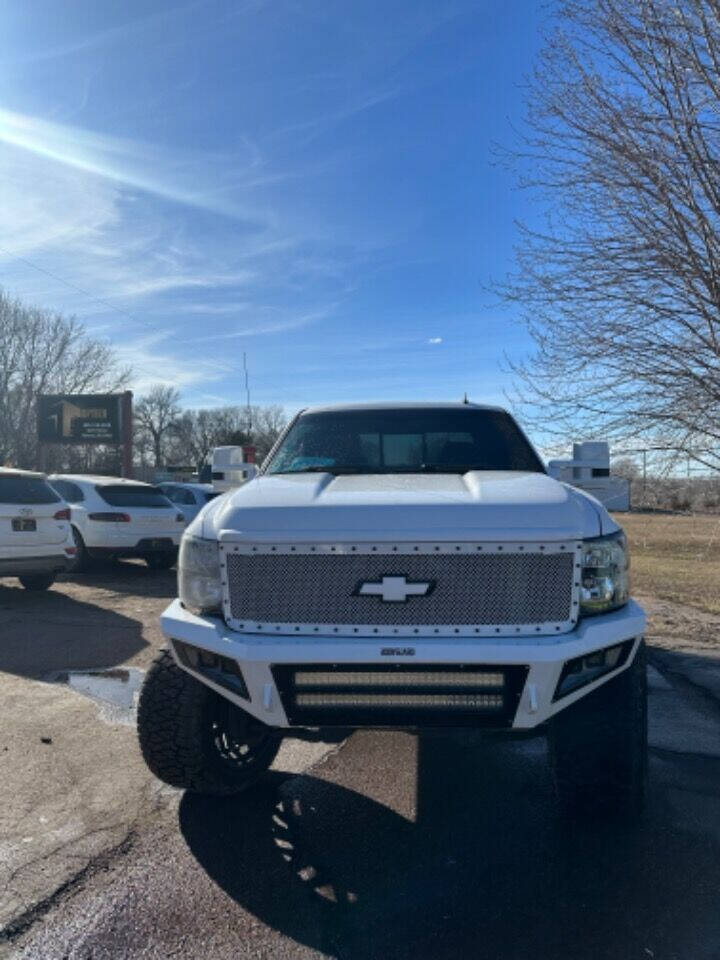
{"x": 173, "y": 725}
{"x": 37, "y": 581}
{"x": 81, "y": 561}
{"x": 598, "y": 747}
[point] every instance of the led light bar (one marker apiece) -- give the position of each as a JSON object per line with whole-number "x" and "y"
{"x": 392, "y": 678}
{"x": 462, "y": 701}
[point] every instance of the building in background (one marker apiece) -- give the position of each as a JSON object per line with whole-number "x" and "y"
{"x": 589, "y": 470}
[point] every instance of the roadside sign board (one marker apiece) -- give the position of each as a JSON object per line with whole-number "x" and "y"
{"x": 80, "y": 418}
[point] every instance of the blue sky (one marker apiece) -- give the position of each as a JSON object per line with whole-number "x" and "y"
{"x": 310, "y": 182}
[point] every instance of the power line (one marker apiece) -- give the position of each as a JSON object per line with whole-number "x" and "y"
{"x": 110, "y": 306}
{"x": 247, "y": 391}
{"x": 74, "y": 286}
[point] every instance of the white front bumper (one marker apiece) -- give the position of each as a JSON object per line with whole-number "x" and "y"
{"x": 544, "y": 656}
{"x": 128, "y": 536}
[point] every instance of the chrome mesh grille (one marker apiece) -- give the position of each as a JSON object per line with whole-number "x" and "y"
{"x": 486, "y": 588}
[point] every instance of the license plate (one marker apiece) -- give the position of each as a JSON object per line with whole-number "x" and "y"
{"x": 20, "y": 525}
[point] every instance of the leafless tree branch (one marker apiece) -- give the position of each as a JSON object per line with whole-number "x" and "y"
{"x": 620, "y": 290}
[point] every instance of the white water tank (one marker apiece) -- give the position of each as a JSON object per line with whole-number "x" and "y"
{"x": 229, "y": 468}
{"x": 589, "y": 470}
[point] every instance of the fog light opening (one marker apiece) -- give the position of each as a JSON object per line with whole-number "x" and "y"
{"x": 217, "y": 668}
{"x": 581, "y": 671}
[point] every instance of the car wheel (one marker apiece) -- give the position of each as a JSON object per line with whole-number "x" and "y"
{"x": 193, "y": 738}
{"x": 160, "y": 561}
{"x": 80, "y": 561}
{"x": 37, "y": 581}
{"x": 598, "y": 747}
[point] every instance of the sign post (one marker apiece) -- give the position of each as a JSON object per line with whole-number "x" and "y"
{"x": 126, "y": 417}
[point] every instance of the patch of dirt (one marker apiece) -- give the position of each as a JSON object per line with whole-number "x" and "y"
{"x": 675, "y": 558}
{"x": 676, "y": 626}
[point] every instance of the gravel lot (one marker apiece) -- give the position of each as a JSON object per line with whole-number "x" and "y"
{"x": 387, "y": 845}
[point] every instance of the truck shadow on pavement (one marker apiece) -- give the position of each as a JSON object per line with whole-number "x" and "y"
{"x": 43, "y": 634}
{"x": 486, "y": 870}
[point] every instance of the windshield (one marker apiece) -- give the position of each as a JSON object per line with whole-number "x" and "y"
{"x": 404, "y": 441}
{"x": 133, "y": 496}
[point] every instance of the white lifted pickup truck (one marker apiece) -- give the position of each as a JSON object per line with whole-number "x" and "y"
{"x": 402, "y": 566}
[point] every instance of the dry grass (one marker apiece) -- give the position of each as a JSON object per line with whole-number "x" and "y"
{"x": 675, "y": 557}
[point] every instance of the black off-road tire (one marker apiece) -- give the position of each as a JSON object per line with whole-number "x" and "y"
{"x": 194, "y": 739}
{"x": 37, "y": 581}
{"x": 598, "y": 747}
{"x": 81, "y": 561}
{"x": 161, "y": 561}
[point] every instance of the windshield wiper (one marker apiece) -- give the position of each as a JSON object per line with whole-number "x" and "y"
{"x": 446, "y": 468}
{"x": 327, "y": 469}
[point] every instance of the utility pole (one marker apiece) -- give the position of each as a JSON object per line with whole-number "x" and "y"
{"x": 247, "y": 393}
{"x": 644, "y": 488}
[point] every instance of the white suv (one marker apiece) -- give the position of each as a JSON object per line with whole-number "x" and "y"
{"x": 35, "y": 537}
{"x": 112, "y": 517}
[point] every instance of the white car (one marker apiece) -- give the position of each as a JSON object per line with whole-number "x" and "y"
{"x": 35, "y": 537}
{"x": 402, "y": 566}
{"x": 189, "y": 498}
{"x": 112, "y": 517}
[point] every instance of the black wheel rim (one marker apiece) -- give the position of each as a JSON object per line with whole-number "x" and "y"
{"x": 237, "y": 738}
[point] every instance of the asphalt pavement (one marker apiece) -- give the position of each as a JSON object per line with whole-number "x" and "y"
{"x": 440, "y": 845}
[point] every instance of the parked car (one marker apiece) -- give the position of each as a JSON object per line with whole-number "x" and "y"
{"x": 35, "y": 537}
{"x": 189, "y": 498}
{"x": 402, "y": 566}
{"x": 112, "y": 517}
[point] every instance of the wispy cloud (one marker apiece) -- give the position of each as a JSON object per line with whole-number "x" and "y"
{"x": 271, "y": 326}
{"x": 161, "y": 284}
{"x": 105, "y": 37}
{"x": 306, "y": 130}
{"x": 153, "y": 360}
{"x": 180, "y": 240}
{"x": 142, "y": 166}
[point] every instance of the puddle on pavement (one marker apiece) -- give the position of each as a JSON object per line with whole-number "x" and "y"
{"x": 115, "y": 691}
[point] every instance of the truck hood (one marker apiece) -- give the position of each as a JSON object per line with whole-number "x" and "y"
{"x": 478, "y": 505}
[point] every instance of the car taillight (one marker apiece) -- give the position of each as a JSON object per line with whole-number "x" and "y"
{"x": 110, "y": 517}
{"x": 180, "y": 518}
{"x": 62, "y": 515}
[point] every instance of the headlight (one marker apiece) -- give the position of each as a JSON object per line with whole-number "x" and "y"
{"x": 605, "y": 580}
{"x": 199, "y": 585}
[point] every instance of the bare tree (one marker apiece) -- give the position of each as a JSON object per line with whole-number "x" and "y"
{"x": 156, "y": 415}
{"x": 196, "y": 432}
{"x": 44, "y": 352}
{"x": 626, "y": 467}
{"x": 620, "y": 289}
{"x": 267, "y": 425}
